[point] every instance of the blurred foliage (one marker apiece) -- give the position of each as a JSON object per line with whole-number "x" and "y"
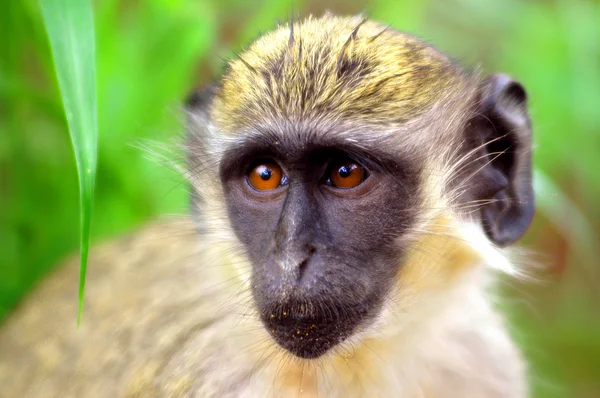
{"x": 150, "y": 54}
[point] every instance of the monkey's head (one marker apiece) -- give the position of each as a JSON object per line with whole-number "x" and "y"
{"x": 357, "y": 169}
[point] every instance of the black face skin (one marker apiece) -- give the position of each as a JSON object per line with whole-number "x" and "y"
{"x": 323, "y": 257}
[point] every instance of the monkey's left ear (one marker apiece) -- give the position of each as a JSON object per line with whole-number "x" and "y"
{"x": 503, "y": 130}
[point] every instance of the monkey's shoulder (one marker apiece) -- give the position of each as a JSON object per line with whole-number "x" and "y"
{"x": 142, "y": 291}
{"x": 121, "y": 266}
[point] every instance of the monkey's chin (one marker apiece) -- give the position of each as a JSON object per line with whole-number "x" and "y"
{"x": 308, "y": 337}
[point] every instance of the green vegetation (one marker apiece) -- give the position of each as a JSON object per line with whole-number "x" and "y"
{"x": 150, "y": 54}
{"x": 70, "y": 27}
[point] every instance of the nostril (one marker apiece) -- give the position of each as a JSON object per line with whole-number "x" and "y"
{"x": 303, "y": 265}
{"x": 302, "y": 268}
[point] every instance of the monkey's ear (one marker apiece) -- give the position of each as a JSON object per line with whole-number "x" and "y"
{"x": 200, "y": 98}
{"x": 197, "y": 105}
{"x": 503, "y": 130}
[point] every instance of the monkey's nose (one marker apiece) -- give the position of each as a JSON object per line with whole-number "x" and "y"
{"x": 297, "y": 267}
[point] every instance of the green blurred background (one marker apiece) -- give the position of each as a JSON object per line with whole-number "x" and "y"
{"x": 151, "y": 53}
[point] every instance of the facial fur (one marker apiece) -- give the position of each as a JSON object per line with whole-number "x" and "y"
{"x": 326, "y": 262}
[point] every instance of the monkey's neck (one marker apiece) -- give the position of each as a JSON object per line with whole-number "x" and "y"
{"x": 409, "y": 362}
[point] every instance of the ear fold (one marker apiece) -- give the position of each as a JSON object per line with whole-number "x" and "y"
{"x": 503, "y": 130}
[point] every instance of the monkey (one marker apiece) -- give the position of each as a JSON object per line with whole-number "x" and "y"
{"x": 354, "y": 197}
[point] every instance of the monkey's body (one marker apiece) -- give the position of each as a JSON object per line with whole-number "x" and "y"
{"x": 158, "y": 323}
{"x": 352, "y": 190}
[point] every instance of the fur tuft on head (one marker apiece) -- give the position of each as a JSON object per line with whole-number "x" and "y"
{"x": 345, "y": 68}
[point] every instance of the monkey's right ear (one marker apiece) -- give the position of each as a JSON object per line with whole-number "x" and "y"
{"x": 502, "y": 129}
{"x": 201, "y": 98}
{"x": 197, "y": 105}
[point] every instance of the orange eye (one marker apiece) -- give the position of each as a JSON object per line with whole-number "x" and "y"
{"x": 347, "y": 175}
{"x": 265, "y": 176}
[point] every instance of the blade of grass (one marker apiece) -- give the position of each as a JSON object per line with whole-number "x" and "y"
{"x": 70, "y": 28}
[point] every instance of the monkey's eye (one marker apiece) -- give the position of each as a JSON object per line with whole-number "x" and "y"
{"x": 346, "y": 175}
{"x": 266, "y": 176}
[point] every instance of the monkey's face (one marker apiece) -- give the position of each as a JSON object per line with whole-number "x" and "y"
{"x": 339, "y": 147}
{"x": 320, "y": 223}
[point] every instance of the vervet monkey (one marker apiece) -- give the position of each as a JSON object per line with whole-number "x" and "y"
{"x": 353, "y": 194}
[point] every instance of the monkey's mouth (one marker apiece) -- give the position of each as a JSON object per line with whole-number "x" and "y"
{"x": 311, "y": 335}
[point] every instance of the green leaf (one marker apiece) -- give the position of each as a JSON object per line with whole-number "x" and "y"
{"x": 70, "y": 28}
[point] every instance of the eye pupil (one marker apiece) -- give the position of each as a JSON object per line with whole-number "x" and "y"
{"x": 344, "y": 171}
{"x": 265, "y": 173}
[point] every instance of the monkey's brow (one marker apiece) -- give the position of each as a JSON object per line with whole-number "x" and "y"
{"x": 298, "y": 147}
